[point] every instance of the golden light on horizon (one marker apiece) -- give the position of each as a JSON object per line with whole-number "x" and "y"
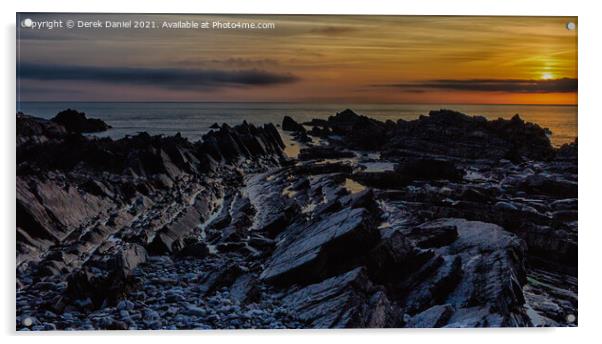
{"x": 332, "y": 59}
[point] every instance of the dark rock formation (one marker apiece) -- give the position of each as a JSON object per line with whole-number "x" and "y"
{"x": 359, "y": 131}
{"x": 37, "y": 130}
{"x": 77, "y": 122}
{"x": 308, "y": 252}
{"x": 105, "y": 276}
{"x": 495, "y": 279}
{"x": 445, "y": 132}
{"x": 471, "y": 223}
{"x": 76, "y": 194}
{"x": 290, "y": 124}
{"x": 344, "y": 301}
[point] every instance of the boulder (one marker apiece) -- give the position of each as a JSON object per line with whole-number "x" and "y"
{"x": 345, "y": 301}
{"x": 308, "y": 252}
{"x": 480, "y": 275}
{"x": 77, "y": 122}
{"x": 551, "y": 185}
{"x": 104, "y": 277}
{"x": 394, "y": 258}
{"x": 289, "y": 124}
{"x": 38, "y": 130}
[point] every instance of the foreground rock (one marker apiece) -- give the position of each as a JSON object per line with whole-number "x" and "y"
{"x": 345, "y": 301}
{"x": 88, "y": 209}
{"x": 309, "y": 252}
{"x": 484, "y": 263}
{"x": 161, "y": 233}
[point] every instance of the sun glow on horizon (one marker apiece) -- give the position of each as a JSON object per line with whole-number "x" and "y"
{"x": 326, "y": 59}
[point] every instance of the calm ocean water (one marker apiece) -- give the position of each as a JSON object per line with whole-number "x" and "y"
{"x": 193, "y": 119}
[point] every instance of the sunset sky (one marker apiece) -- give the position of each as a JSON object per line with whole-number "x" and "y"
{"x": 338, "y": 59}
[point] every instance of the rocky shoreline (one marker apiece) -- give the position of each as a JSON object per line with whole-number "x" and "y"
{"x": 445, "y": 221}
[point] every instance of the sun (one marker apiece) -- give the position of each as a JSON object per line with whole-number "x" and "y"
{"x": 547, "y": 76}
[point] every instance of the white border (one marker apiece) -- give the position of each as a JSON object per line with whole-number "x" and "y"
{"x": 590, "y": 191}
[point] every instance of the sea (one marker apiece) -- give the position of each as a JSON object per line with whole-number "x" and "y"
{"x": 193, "y": 119}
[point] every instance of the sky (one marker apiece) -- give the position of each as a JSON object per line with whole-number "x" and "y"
{"x": 321, "y": 59}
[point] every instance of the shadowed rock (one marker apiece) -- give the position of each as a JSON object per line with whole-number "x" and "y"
{"x": 239, "y": 238}
{"x": 289, "y": 124}
{"x": 307, "y": 252}
{"x": 77, "y": 122}
{"x": 345, "y": 301}
{"x": 106, "y": 276}
{"x": 484, "y": 263}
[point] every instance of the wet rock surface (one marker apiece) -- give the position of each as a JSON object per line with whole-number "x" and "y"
{"x": 382, "y": 224}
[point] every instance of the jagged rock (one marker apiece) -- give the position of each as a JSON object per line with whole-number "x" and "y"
{"x": 345, "y": 301}
{"x": 105, "y": 277}
{"x": 360, "y": 131}
{"x": 77, "y": 122}
{"x": 484, "y": 263}
{"x": 290, "y": 124}
{"x": 244, "y": 140}
{"x": 169, "y": 239}
{"x": 434, "y": 237}
{"x": 394, "y": 258}
{"x": 445, "y": 132}
{"x": 37, "y": 130}
{"x": 455, "y": 134}
{"x": 92, "y": 176}
{"x": 364, "y": 199}
{"x": 244, "y": 289}
{"x": 238, "y": 245}
{"x": 307, "y": 252}
{"x": 568, "y": 151}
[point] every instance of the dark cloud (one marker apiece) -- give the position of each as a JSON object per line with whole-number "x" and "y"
{"x": 170, "y": 78}
{"x": 333, "y": 30}
{"x": 493, "y": 85}
{"x": 232, "y": 62}
{"x": 244, "y": 62}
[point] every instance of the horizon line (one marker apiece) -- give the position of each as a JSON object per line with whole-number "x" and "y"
{"x": 282, "y": 102}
